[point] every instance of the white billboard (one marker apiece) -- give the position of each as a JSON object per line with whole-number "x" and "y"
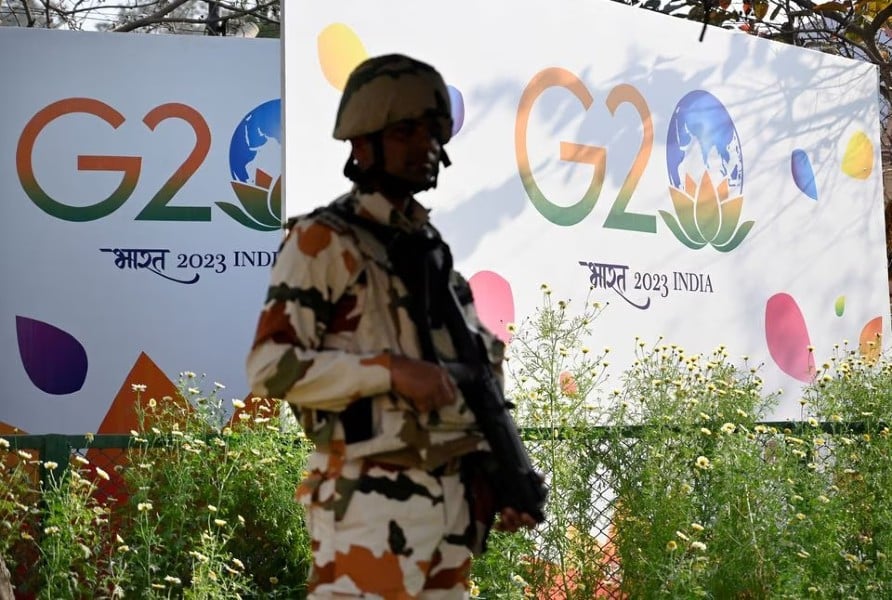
{"x": 140, "y": 214}
{"x": 718, "y": 192}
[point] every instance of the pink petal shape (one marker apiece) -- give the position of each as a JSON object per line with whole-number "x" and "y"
{"x": 787, "y": 337}
{"x": 494, "y": 302}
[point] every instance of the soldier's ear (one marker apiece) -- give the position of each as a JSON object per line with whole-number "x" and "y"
{"x": 363, "y": 152}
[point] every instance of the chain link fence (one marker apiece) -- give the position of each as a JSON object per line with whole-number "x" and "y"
{"x": 572, "y": 555}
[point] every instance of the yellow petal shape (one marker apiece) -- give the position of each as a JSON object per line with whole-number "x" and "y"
{"x": 340, "y": 51}
{"x": 857, "y": 162}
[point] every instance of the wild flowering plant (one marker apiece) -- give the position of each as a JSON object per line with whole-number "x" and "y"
{"x": 553, "y": 377}
{"x": 204, "y": 509}
{"x": 712, "y": 503}
{"x": 214, "y": 502}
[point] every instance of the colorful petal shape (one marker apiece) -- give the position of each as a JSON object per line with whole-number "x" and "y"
{"x": 870, "y": 342}
{"x": 803, "y": 174}
{"x": 567, "y": 383}
{"x": 840, "y": 306}
{"x": 494, "y": 302}
{"x": 706, "y": 212}
{"x": 340, "y": 51}
{"x": 857, "y": 161}
{"x": 458, "y": 108}
{"x": 54, "y": 360}
{"x": 121, "y": 418}
{"x": 786, "y": 335}
{"x": 684, "y": 209}
{"x": 730, "y": 217}
{"x": 676, "y": 229}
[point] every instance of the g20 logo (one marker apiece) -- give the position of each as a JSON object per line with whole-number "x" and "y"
{"x": 259, "y": 192}
{"x": 703, "y": 158}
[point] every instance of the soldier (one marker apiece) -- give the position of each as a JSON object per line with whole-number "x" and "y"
{"x": 391, "y": 509}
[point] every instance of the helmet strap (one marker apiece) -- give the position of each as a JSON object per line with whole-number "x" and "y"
{"x": 376, "y": 179}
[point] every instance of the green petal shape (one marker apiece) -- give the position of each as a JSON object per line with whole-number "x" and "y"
{"x": 254, "y": 201}
{"x": 236, "y": 213}
{"x": 840, "y": 306}
{"x": 677, "y": 231}
{"x": 738, "y": 237}
{"x": 730, "y": 211}
{"x": 684, "y": 208}
{"x": 707, "y": 209}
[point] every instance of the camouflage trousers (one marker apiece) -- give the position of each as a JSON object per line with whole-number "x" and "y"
{"x": 385, "y": 532}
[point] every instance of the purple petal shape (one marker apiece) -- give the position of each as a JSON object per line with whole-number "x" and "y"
{"x": 803, "y": 174}
{"x": 54, "y": 360}
{"x": 458, "y": 108}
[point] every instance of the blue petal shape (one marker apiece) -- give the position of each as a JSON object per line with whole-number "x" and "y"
{"x": 54, "y": 360}
{"x": 458, "y": 108}
{"x": 803, "y": 174}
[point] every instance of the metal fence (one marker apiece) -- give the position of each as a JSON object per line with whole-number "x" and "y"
{"x": 594, "y": 513}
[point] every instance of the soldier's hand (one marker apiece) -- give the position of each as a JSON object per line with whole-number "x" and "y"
{"x": 510, "y": 520}
{"x": 427, "y": 385}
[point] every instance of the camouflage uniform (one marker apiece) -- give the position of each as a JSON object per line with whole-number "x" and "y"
{"x": 386, "y": 508}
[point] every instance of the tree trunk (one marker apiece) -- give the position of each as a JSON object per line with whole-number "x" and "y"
{"x": 5, "y": 582}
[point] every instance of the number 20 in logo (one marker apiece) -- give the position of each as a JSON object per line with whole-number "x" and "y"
{"x": 703, "y": 157}
{"x": 258, "y": 191}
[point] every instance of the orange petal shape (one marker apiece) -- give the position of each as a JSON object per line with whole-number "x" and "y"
{"x": 690, "y": 186}
{"x": 706, "y": 209}
{"x": 121, "y": 418}
{"x": 722, "y": 190}
{"x": 11, "y": 459}
{"x": 121, "y": 415}
{"x": 7, "y": 429}
{"x": 870, "y": 343}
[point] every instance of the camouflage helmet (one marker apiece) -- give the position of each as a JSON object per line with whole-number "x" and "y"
{"x": 387, "y": 89}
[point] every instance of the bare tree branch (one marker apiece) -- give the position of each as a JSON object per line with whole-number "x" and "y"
{"x": 150, "y": 19}
{"x": 28, "y": 15}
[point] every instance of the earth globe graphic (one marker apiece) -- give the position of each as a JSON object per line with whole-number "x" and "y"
{"x": 702, "y": 139}
{"x": 256, "y": 144}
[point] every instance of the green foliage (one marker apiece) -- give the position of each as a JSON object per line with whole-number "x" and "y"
{"x": 201, "y": 511}
{"x": 710, "y": 503}
{"x": 554, "y": 374}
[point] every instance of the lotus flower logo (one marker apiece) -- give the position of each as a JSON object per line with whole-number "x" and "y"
{"x": 703, "y": 144}
{"x": 262, "y": 203}
{"x": 705, "y": 215}
{"x": 254, "y": 158}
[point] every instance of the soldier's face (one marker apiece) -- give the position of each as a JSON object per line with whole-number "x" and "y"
{"x": 411, "y": 151}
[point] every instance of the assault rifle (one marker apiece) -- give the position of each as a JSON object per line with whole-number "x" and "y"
{"x": 423, "y": 261}
{"x": 513, "y": 480}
